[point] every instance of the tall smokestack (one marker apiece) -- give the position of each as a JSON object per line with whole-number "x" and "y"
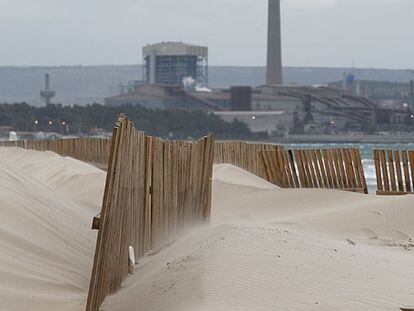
{"x": 274, "y": 45}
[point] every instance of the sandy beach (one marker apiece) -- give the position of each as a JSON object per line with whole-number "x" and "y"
{"x": 265, "y": 249}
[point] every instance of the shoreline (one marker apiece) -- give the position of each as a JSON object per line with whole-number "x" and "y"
{"x": 341, "y": 139}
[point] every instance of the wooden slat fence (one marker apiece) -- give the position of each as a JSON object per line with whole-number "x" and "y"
{"x": 315, "y": 168}
{"x": 93, "y": 150}
{"x": 242, "y": 154}
{"x": 154, "y": 190}
{"x": 395, "y": 171}
{"x": 96, "y": 150}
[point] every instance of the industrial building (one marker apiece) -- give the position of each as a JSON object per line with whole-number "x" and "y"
{"x": 162, "y": 96}
{"x": 176, "y": 76}
{"x": 171, "y": 63}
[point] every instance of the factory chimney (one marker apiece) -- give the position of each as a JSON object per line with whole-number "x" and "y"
{"x": 274, "y": 45}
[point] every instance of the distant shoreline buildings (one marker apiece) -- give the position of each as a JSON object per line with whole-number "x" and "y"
{"x": 176, "y": 77}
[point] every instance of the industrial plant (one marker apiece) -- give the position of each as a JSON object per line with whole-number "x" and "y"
{"x": 176, "y": 77}
{"x": 171, "y": 63}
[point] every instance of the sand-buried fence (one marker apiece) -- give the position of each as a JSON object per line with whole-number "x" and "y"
{"x": 340, "y": 169}
{"x": 96, "y": 151}
{"x": 92, "y": 150}
{"x": 242, "y": 154}
{"x": 154, "y": 190}
{"x": 394, "y": 171}
{"x": 315, "y": 168}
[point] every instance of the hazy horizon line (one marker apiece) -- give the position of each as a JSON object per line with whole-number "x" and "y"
{"x": 231, "y": 66}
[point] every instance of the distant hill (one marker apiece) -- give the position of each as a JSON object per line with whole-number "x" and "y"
{"x": 88, "y": 84}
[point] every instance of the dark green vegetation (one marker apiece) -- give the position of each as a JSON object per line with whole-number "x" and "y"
{"x": 174, "y": 124}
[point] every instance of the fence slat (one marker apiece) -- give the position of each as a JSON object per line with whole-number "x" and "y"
{"x": 398, "y": 170}
{"x": 308, "y": 179}
{"x": 340, "y": 178}
{"x": 317, "y": 168}
{"x": 411, "y": 160}
{"x": 301, "y": 169}
{"x": 331, "y": 170}
{"x": 391, "y": 170}
{"x": 312, "y": 169}
{"x": 319, "y": 156}
{"x": 288, "y": 169}
{"x": 360, "y": 169}
{"x": 407, "y": 178}
{"x": 378, "y": 171}
{"x": 293, "y": 167}
{"x": 384, "y": 169}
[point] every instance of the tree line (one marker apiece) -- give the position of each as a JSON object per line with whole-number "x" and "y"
{"x": 80, "y": 120}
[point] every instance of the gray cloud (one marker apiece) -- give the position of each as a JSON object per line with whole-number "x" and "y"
{"x": 367, "y": 33}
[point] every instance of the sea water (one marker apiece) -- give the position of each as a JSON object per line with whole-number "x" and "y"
{"x": 367, "y": 155}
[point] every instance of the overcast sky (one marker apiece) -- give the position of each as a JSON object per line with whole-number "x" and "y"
{"x": 332, "y": 33}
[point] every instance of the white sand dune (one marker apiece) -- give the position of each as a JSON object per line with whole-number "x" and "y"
{"x": 266, "y": 249}
{"x": 273, "y": 249}
{"x": 46, "y": 244}
{"x": 233, "y": 175}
